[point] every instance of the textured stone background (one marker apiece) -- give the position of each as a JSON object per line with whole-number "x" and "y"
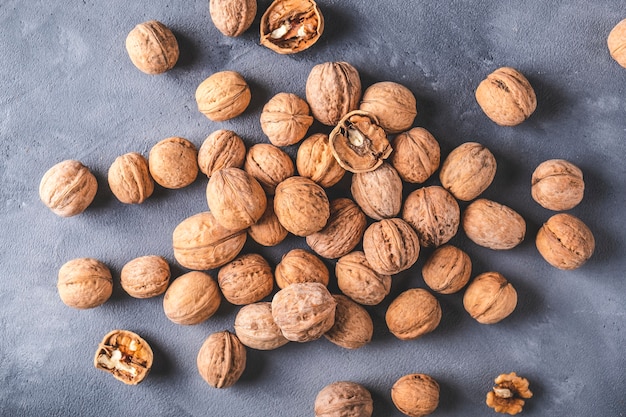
{"x": 69, "y": 91}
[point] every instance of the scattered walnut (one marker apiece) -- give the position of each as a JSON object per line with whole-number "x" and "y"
{"x": 353, "y": 326}
{"x": 302, "y": 206}
{"x": 173, "y": 162}
{"x": 191, "y": 298}
{"x": 414, "y": 313}
{"x": 315, "y": 160}
{"x": 84, "y": 283}
{"x": 378, "y": 192}
{"x": 390, "y": 246}
{"x": 125, "y": 355}
{"x": 255, "y": 327}
{"x": 223, "y": 96}
{"x": 290, "y": 26}
{"x": 129, "y": 178}
{"x": 269, "y": 165}
{"x": 416, "y": 155}
{"x": 447, "y": 270}
{"x": 393, "y": 104}
{"x": 221, "y": 359}
{"x": 509, "y": 393}
{"x": 344, "y": 399}
{"x": 221, "y": 149}
{"x": 434, "y": 214}
{"x": 146, "y": 276}
{"x": 285, "y": 119}
{"x": 246, "y": 280}
{"x": 268, "y": 231}
{"x": 152, "y": 47}
{"x": 232, "y": 17}
{"x": 68, "y": 188}
{"x": 357, "y": 279}
{"x": 493, "y": 225}
{"x": 490, "y": 298}
{"x": 616, "y": 42}
{"x": 299, "y": 265}
{"x": 416, "y": 395}
{"x": 565, "y": 241}
{"x": 468, "y": 170}
{"x": 557, "y": 185}
{"x": 506, "y": 97}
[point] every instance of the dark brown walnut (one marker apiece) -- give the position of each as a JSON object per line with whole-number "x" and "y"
{"x": 255, "y": 327}
{"x": 299, "y": 265}
{"x": 84, "y": 283}
{"x": 493, "y": 225}
{"x": 291, "y": 26}
{"x": 246, "y": 280}
{"x": 434, "y": 214}
{"x": 173, "y": 162}
{"x": 393, "y": 104}
{"x": 391, "y": 246}
{"x": 152, "y": 47}
{"x": 221, "y": 359}
{"x": 315, "y": 160}
{"x": 416, "y": 155}
{"x": 192, "y": 298}
{"x": 232, "y": 17}
{"x": 344, "y": 399}
{"x": 146, "y": 276}
{"x": 509, "y": 393}
{"x": 468, "y": 170}
{"x": 414, "y": 313}
{"x": 125, "y": 355}
{"x": 490, "y": 298}
{"x": 557, "y": 185}
{"x": 565, "y": 241}
{"x": 506, "y": 97}
{"x": 269, "y": 165}
{"x": 201, "y": 243}
{"x": 221, "y": 149}
{"x": 447, "y": 270}
{"x": 268, "y": 231}
{"x": 302, "y": 206}
{"x": 285, "y": 119}
{"x": 357, "y": 279}
{"x": 359, "y": 143}
{"x": 416, "y": 395}
{"x": 68, "y": 188}
{"x": 378, "y": 192}
{"x": 223, "y": 96}
{"x": 343, "y": 231}
{"x": 129, "y": 178}
{"x": 333, "y": 89}
{"x": 353, "y": 326}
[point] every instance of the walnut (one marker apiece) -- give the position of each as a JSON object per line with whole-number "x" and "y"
{"x": 173, "y": 162}
{"x": 146, "y": 276}
{"x": 129, "y": 178}
{"x": 84, "y": 283}
{"x": 221, "y": 359}
{"x": 192, "y": 298}
{"x": 315, "y": 160}
{"x": 269, "y": 165}
{"x": 268, "y": 231}
{"x": 434, "y": 214}
{"x": 390, "y": 246}
{"x": 255, "y": 327}
{"x": 291, "y": 26}
{"x": 468, "y": 170}
{"x": 506, "y": 97}
{"x": 353, "y": 326}
{"x": 223, "y": 96}
{"x": 221, "y": 149}
{"x": 232, "y": 17}
{"x": 285, "y": 119}
{"x": 302, "y": 206}
{"x": 246, "y": 280}
{"x": 509, "y": 393}
{"x": 125, "y": 355}
{"x": 493, "y": 225}
{"x": 416, "y": 395}
{"x": 393, "y": 104}
{"x": 490, "y": 298}
{"x": 557, "y": 185}
{"x": 333, "y": 89}
{"x": 565, "y": 241}
{"x": 357, "y": 279}
{"x": 416, "y": 155}
{"x": 299, "y": 265}
{"x": 414, "y": 313}
{"x": 68, "y": 188}
{"x": 152, "y": 47}
{"x": 616, "y": 42}
{"x": 378, "y": 192}
{"x": 304, "y": 311}
{"x": 343, "y": 231}
{"x": 344, "y": 399}
{"x": 447, "y": 270}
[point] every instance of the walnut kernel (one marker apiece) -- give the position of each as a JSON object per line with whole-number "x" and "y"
{"x": 509, "y": 393}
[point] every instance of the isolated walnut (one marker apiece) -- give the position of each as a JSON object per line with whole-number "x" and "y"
{"x": 416, "y": 395}
{"x": 378, "y": 192}
{"x": 299, "y": 265}
{"x": 353, "y": 326}
{"x": 146, "y": 276}
{"x": 125, "y": 355}
{"x": 302, "y": 206}
{"x": 223, "y": 96}
{"x": 291, "y": 26}
{"x": 393, "y": 104}
{"x": 152, "y": 47}
{"x": 255, "y": 327}
{"x": 447, "y": 270}
{"x": 285, "y": 119}
{"x": 414, "y": 313}
{"x": 390, "y": 246}
{"x": 221, "y": 149}
{"x": 557, "y": 185}
{"x": 268, "y": 231}
{"x": 493, "y": 225}
{"x": 490, "y": 298}
{"x": 84, "y": 283}
{"x": 506, "y": 97}
{"x": 509, "y": 393}
{"x": 232, "y": 17}
{"x": 246, "y": 280}
{"x": 129, "y": 178}
{"x": 616, "y": 42}
{"x": 468, "y": 170}
{"x": 357, "y": 279}
{"x": 173, "y": 162}
{"x": 416, "y": 155}
{"x": 315, "y": 160}
{"x": 68, "y": 188}
{"x": 434, "y": 214}
{"x": 565, "y": 241}
{"x": 333, "y": 89}
{"x": 269, "y": 165}
{"x": 221, "y": 359}
{"x": 192, "y": 298}
{"x": 344, "y": 399}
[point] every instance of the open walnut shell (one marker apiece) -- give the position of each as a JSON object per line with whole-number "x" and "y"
{"x": 290, "y": 26}
{"x": 125, "y": 355}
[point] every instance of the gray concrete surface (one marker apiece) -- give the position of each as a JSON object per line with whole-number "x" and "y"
{"x": 69, "y": 91}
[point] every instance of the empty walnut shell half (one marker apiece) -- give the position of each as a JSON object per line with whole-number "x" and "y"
{"x": 509, "y": 393}
{"x": 290, "y": 26}
{"x": 125, "y": 355}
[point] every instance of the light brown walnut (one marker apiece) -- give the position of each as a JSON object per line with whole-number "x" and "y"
{"x": 299, "y": 265}
{"x": 146, "y": 276}
{"x": 68, "y": 188}
{"x": 344, "y": 399}
{"x": 447, "y": 270}
{"x": 509, "y": 393}
{"x": 285, "y": 119}
{"x": 416, "y": 155}
{"x": 357, "y": 279}
{"x": 393, "y": 104}
{"x": 506, "y": 97}
{"x": 416, "y": 395}
{"x": 125, "y": 355}
{"x": 223, "y": 96}
{"x": 333, "y": 89}
{"x": 84, "y": 283}
{"x": 468, "y": 170}
{"x": 268, "y": 231}
{"x": 490, "y": 298}
{"x": 221, "y": 149}
{"x": 414, "y": 313}
{"x": 255, "y": 327}
{"x": 291, "y": 26}
{"x": 129, "y": 178}
{"x": 434, "y": 214}
{"x": 246, "y": 280}
{"x": 173, "y": 162}
{"x": 391, "y": 246}
{"x": 192, "y": 298}
{"x": 269, "y": 165}
{"x": 152, "y": 47}
{"x": 378, "y": 192}
{"x": 557, "y": 185}
{"x": 232, "y": 17}
{"x": 315, "y": 160}
{"x": 221, "y": 359}
{"x": 565, "y": 241}
{"x": 616, "y": 42}
{"x": 353, "y": 326}
{"x": 302, "y": 206}
{"x": 493, "y": 225}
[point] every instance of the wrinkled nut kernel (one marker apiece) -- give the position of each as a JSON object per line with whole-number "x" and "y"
{"x": 84, "y": 283}
{"x": 378, "y": 192}
{"x": 565, "y": 242}
{"x": 304, "y": 311}
{"x": 343, "y": 231}
{"x": 246, "y": 280}
{"x": 493, "y": 225}
{"x": 393, "y": 104}
{"x": 315, "y": 160}
{"x": 221, "y": 359}
{"x": 506, "y": 97}
{"x": 302, "y": 206}
{"x": 414, "y": 313}
{"x": 232, "y": 17}
{"x": 291, "y": 26}
{"x": 616, "y": 42}
{"x": 285, "y": 119}
{"x": 146, "y": 276}
{"x": 221, "y": 149}
{"x": 152, "y": 47}
{"x": 557, "y": 185}
{"x": 490, "y": 298}
{"x": 125, "y": 355}
{"x": 415, "y": 395}
{"x": 333, "y": 89}
{"x": 357, "y": 279}
{"x": 68, "y": 188}
{"x": 468, "y": 170}
{"x": 192, "y": 298}
{"x": 268, "y": 231}
{"x": 344, "y": 399}
{"x": 416, "y": 155}
{"x": 447, "y": 270}
{"x": 223, "y": 96}
{"x": 235, "y": 198}
{"x": 353, "y": 326}
{"x": 359, "y": 143}
{"x": 509, "y": 393}
{"x": 298, "y": 266}
{"x": 129, "y": 178}
{"x": 391, "y": 246}
{"x": 255, "y": 327}
{"x": 434, "y": 214}
{"x": 269, "y": 165}
{"x": 173, "y": 162}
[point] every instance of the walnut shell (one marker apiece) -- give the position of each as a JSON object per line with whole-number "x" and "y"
{"x": 269, "y": 165}
{"x": 315, "y": 160}
{"x": 506, "y": 97}
{"x": 416, "y": 395}
{"x": 299, "y": 265}
{"x": 616, "y": 42}
{"x": 84, "y": 283}
{"x": 565, "y": 241}
{"x": 146, "y": 276}
{"x": 393, "y": 104}
{"x": 468, "y": 170}
{"x": 268, "y": 231}
{"x": 221, "y": 359}
{"x": 414, "y": 313}
{"x": 285, "y": 119}
{"x": 416, "y": 155}
{"x": 173, "y": 162}
{"x": 68, "y": 188}
{"x": 434, "y": 214}
{"x": 223, "y": 96}
{"x": 489, "y": 298}
{"x": 493, "y": 225}
{"x": 302, "y": 206}
{"x": 129, "y": 178}
{"x": 353, "y": 326}
{"x": 152, "y": 47}
{"x": 255, "y": 327}
{"x": 343, "y": 231}
{"x": 333, "y": 89}
{"x": 232, "y": 17}
{"x": 221, "y": 149}
{"x": 125, "y": 355}
{"x": 509, "y": 393}
{"x": 391, "y": 246}
{"x": 378, "y": 192}
{"x": 447, "y": 270}
{"x": 557, "y": 185}
{"x": 344, "y": 399}
{"x": 246, "y": 280}
{"x": 192, "y": 298}
{"x": 357, "y": 279}
{"x": 291, "y": 26}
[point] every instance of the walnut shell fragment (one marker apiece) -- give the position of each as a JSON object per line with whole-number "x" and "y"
{"x": 125, "y": 355}
{"x": 344, "y": 399}
{"x": 565, "y": 241}
{"x": 68, "y": 188}
{"x": 221, "y": 359}
{"x": 290, "y": 26}
{"x": 509, "y": 393}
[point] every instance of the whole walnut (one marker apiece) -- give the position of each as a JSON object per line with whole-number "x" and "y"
{"x": 343, "y": 231}
{"x": 290, "y": 26}
{"x": 68, "y": 188}
{"x": 246, "y": 280}
{"x": 125, "y": 355}
{"x": 378, "y": 192}
{"x": 255, "y": 327}
{"x": 152, "y": 47}
{"x": 447, "y": 270}
{"x": 557, "y": 185}
{"x": 333, "y": 89}
{"x": 468, "y": 170}
{"x": 616, "y": 42}
{"x": 434, "y": 214}
{"x": 129, "y": 178}
{"x": 302, "y": 206}
{"x": 391, "y": 246}
{"x": 192, "y": 298}
{"x": 285, "y": 119}
{"x": 223, "y": 96}
{"x": 393, "y": 104}
{"x": 232, "y": 17}
{"x": 146, "y": 276}
{"x": 315, "y": 160}
{"x": 268, "y": 231}
{"x": 493, "y": 225}
{"x": 353, "y": 326}
{"x": 416, "y": 395}
{"x": 506, "y": 97}
{"x": 414, "y": 313}
{"x": 173, "y": 162}
{"x": 84, "y": 283}
{"x": 269, "y": 165}
{"x": 299, "y": 265}
{"x": 221, "y": 149}
{"x": 565, "y": 241}
{"x": 416, "y": 155}
{"x": 489, "y": 298}
{"x": 344, "y": 399}
{"x": 221, "y": 359}
{"x": 357, "y": 279}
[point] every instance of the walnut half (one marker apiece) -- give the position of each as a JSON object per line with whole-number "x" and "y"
{"x": 508, "y": 395}
{"x": 124, "y": 355}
